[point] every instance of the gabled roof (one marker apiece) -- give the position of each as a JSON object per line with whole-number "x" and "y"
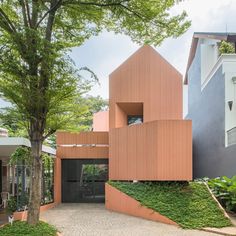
{"x": 230, "y": 37}
{"x": 139, "y": 54}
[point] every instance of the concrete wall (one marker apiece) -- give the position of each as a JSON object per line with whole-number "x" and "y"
{"x": 207, "y": 110}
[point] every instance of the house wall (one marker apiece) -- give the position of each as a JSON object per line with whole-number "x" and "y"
{"x": 101, "y": 121}
{"x": 160, "y": 148}
{"x": 157, "y": 150}
{"x": 207, "y": 111}
{"x": 83, "y": 145}
{"x": 146, "y": 77}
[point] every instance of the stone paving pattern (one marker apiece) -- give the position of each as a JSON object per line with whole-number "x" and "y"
{"x": 94, "y": 220}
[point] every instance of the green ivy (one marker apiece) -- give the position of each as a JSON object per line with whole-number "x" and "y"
{"x": 188, "y": 204}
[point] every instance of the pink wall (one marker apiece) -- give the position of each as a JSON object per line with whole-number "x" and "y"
{"x": 101, "y": 121}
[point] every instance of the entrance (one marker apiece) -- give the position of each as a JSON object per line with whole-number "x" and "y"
{"x": 83, "y": 180}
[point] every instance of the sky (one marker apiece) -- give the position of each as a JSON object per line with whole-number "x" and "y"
{"x": 105, "y": 52}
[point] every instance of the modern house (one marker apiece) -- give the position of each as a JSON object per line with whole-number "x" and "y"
{"x": 142, "y": 137}
{"x": 146, "y": 138}
{"x": 211, "y": 80}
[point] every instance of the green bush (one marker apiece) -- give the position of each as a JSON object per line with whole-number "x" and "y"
{"x": 21, "y": 228}
{"x": 188, "y": 204}
{"x": 224, "y": 189}
{"x": 226, "y": 48}
{"x": 11, "y": 205}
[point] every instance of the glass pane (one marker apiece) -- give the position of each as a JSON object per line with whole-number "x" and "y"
{"x": 100, "y": 177}
{"x": 86, "y": 182}
{"x": 135, "y": 119}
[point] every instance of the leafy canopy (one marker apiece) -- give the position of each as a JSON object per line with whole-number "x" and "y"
{"x": 35, "y": 36}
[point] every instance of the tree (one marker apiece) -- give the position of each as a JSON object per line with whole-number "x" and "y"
{"x": 11, "y": 120}
{"x": 38, "y": 78}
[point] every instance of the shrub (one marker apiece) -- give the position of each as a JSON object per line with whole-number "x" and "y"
{"x": 21, "y": 228}
{"x": 224, "y": 189}
{"x": 226, "y": 48}
{"x": 11, "y": 205}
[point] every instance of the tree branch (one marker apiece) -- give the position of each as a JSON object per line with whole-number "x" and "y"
{"x": 11, "y": 27}
{"x": 52, "y": 8}
{"x": 97, "y": 4}
{"x": 28, "y": 12}
{"x": 24, "y": 12}
{"x": 50, "y": 132}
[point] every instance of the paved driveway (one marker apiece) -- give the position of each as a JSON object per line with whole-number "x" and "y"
{"x": 94, "y": 220}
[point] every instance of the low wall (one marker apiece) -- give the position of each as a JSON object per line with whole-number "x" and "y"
{"x": 121, "y": 202}
{"x": 22, "y": 215}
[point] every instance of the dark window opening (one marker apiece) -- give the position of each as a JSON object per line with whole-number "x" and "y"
{"x": 134, "y": 119}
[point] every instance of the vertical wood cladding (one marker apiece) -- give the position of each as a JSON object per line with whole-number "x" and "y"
{"x": 146, "y": 77}
{"x": 82, "y": 145}
{"x": 161, "y": 147}
{"x": 157, "y": 150}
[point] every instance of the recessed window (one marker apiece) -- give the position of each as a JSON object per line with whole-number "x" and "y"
{"x": 134, "y": 119}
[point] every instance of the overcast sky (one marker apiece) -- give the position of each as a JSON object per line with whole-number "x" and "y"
{"x": 107, "y": 51}
{"x": 104, "y": 53}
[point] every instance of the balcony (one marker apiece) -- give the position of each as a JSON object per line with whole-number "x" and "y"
{"x": 157, "y": 150}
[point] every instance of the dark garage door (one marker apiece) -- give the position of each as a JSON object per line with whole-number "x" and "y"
{"x": 84, "y": 180}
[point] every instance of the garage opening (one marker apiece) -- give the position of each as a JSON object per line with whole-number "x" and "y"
{"x": 83, "y": 180}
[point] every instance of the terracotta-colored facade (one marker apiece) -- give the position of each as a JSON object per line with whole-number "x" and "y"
{"x": 145, "y": 83}
{"x": 161, "y": 148}
{"x": 101, "y": 121}
{"x": 120, "y": 202}
{"x": 158, "y": 148}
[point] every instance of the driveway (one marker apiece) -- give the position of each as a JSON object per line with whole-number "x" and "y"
{"x": 78, "y": 219}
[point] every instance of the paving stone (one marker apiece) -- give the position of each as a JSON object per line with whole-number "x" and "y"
{"x": 94, "y": 220}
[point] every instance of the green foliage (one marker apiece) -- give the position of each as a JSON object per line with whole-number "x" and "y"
{"x": 188, "y": 204}
{"x": 10, "y": 120}
{"x": 226, "y": 48}
{"x": 11, "y": 205}
{"x": 21, "y": 154}
{"x": 224, "y": 189}
{"x": 94, "y": 104}
{"x": 36, "y": 76}
{"x": 21, "y": 228}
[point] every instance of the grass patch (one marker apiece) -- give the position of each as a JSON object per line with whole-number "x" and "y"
{"x": 188, "y": 204}
{"x": 22, "y": 228}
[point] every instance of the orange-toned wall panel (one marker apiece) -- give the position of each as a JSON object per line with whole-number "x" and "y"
{"x": 101, "y": 121}
{"x": 146, "y": 77}
{"x": 120, "y": 202}
{"x": 57, "y": 180}
{"x": 82, "y": 152}
{"x": 69, "y": 138}
{"x": 22, "y": 215}
{"x": 157, "y": 150}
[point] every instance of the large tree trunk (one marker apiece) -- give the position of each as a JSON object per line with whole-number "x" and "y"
{"x": 36, "y": 182}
